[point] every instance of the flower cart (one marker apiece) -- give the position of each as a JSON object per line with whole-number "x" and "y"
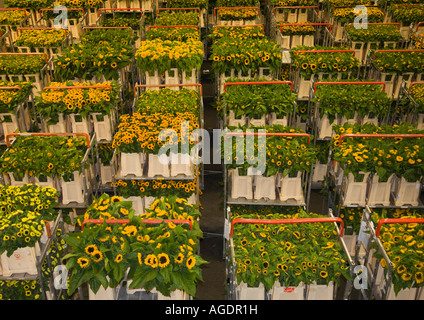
{"x": 75, "y": 20}
{"x": 290, "y": 179}
{"x": 255, "y": 103}
{"x": 277, "y": 276}
{"x": 72, "y": 175}
{"x": 321, "y": 63}
{"x": 237, "y": 16}
{"x": 50, "y": 41}
{"x": 405, "y": 66}
{"x": 30, "y": 67}
{"x": 377, "y": 36}
{"x": 33, "y": 263}
{"x": 15, "y": 110}
{"x": 291, "y": 35}
{"x": 10, "y": 19}
{"x": 390, "y": 275}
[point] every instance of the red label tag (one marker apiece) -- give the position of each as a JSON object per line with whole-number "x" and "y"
{"x": 17, "y": 256}
{"x": 289, "y": 289}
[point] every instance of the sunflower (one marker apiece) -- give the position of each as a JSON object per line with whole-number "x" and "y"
{"x": 163, "y": 260}
{"x": 151, "y": 260}
{"x": 304, "y": 65}
{"x": 50, "y": 166}
{"x": 118, "y": 258}
{"x": 139, "y": 257}
{"x": 83, "y": 262}
{"x": 97, "y": 256}
{"x": 419, "y": 277}
{"x": 191, "y": 262}
{"x": 115, "y": 199}
{"x": 179, "y": 258}
{"x": 90, "y": 249}
{"x": 406, "y": 276}
{"x": 114, "y": 65}
{"x": 323, "y": 274}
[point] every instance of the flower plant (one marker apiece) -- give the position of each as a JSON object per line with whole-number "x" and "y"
{"x": 310, "y": 62}
{"x": 168, "y": 101}
{"x": 29, "y": 4}
{"x": 407, "y": 14}
{"x": 237, "y": 14}
{"x": 237, "y": 32}
{"x": 257, "y": 100}
{"x": 348, "y": 99}
{"x": 173, "y": 34}
{"x": 111, "y": 36}
{"x": 86, "y": 60}
{"x": 417, "y": 93}
{"x": 123, "y": 19}
{"x": 18, "y": 64}
{"x": 177, "y": 18}
{"x": 44, "y": 156}
{"x": 288, "y": 253}
{"x": 146, "y": 133}
{"x": 375, "y": 33}
{"x": 82, "y": 101}
{"x": 23, "y": 211}
{"x": 12, "y": 17}
{"x": 383, "y": 156}
{"x": 160, "y": 256}
{"x": 244, "y": 54}
{"x": 156, "y": 188}
{"x": 10, "y": 99}
{"x": 39, "y": 38}
{"x": 348, "y": 14}
{"x": 285, "y": 155}
{"x": 163, "y": 55}
{"x": 401, "y": 61}
{"x": 298, "y": 29}
{"x": 188, "y": 4}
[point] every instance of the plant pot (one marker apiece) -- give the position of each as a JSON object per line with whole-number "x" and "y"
{"x": 320, "y": 292}
{"x": 274, "y": 119}
{"x": 279, "y": 292}
{"x": 46, "y": 182}
{"x": 309, "y": 40}
{"x": 420, "y": 121}
{"x": 360, "y": 52}
{"x": 12, "y": 180}
{"x": 137, "y": 204}
{"x": 131, "y": 164}
{"x": 296, "y": 40}
{"x": 265, "y": 73}
{"x": 368, "y": 119}
{"x": 79, "y": 124}
{"x": 233, "y": 121}
{"x": 320, "y": 171}
{"x": 325, "y": 129}
{"x": 265, "y": 187}
{"x": 152, "y": 78}
{"x": 291, "y": 189}
{"x": 389, "y": 80}
{"x": 9, "y": 123}
{"x": 175, "y": 295}
{"x": 304, "y": 87}
{"x": 244, "y": 292}
{"x": 257, "y": 122}
{"x": 22, "y": 260}
{"x": 189, "y": 78}
{"x": 102, "y": 294}
{"x": 406, "y": 193}
{"x": 181, "y": 164}
{"x": 404, "y": 77}
{"x": 72, "y": 191}
{"x": 105, "y": 173}
{"x": 102, "y": 127}
{"x": 379, "y": 192}
{"x": 355, "y": 192}
{"x": 146, "y": 5}
{"x": 171, "y": 77}
{"x": 158, "y": 166}
{"x": 241, "y": 186}
{"x": 60, "y": 127}
{"x": 284, "y": 42}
